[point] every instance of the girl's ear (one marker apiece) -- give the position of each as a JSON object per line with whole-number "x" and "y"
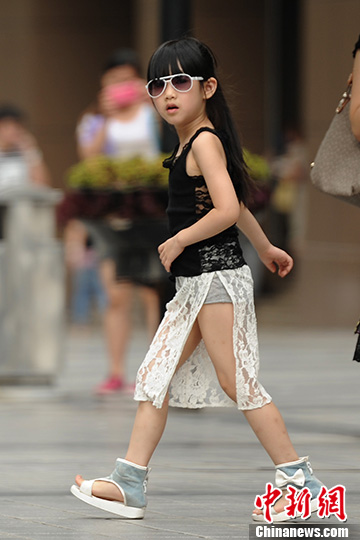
{"x": 210, "y": 87}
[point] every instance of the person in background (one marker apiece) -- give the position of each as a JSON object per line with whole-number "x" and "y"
{"x": 355, "y": 93}
{"x": 290, "y": 170}
{"x": 21, "y": 160}
{"x": 355, "y": 126}
{"x": 122, "y": 124}
{"x": 81, "y": 260}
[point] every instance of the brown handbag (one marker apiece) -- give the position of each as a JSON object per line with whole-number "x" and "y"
{"x": 336, "y": 168}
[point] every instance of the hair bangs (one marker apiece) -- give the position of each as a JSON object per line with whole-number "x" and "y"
{"x": 177, "y": 56}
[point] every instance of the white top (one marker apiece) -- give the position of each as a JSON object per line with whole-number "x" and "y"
{"x": 137, "y": 137}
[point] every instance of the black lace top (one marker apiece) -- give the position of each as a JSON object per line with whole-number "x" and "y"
{"x": 189, "y": 201}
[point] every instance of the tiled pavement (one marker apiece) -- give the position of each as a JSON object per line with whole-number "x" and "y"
{"x": 209, "y": 465}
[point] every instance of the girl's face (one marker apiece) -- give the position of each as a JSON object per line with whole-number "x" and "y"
{"x": 182, "y": 108}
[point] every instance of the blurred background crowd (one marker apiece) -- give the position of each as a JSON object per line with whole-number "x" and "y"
{"x": 75, "y": 124}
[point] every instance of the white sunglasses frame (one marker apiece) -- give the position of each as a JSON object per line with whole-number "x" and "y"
{"x": 168, "y": 79}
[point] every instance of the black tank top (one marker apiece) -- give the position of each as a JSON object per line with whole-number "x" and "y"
{"x": 189, "y": 201}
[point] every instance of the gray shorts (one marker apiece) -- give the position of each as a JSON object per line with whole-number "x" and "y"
{"x": 217, "y": 293}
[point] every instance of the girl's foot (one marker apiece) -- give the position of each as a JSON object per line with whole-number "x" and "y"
{"x": 103, "y": 490}
{"x": 278, "y": 507}
{"x": 299, "y": 475}
{"x": 122, "y": 493}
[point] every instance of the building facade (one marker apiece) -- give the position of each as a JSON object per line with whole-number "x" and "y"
{"x": 281, "y": 64}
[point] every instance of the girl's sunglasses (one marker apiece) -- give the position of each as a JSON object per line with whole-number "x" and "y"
{"x": 181, "y": 82}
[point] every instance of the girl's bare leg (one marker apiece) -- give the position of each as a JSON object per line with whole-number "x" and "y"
{"x": 148, "y": 428}
{"x": 269, "y": 427}
{"x": 216, "y": 326}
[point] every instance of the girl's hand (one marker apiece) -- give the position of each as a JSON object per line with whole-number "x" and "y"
{"x": 275, "y": 258}
{"x": 169, "y": 250}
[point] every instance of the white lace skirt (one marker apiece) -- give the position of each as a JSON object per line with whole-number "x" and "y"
{"x": 195, "y": 384}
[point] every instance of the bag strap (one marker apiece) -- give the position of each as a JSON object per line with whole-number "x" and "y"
{"x": 345, "y": 98}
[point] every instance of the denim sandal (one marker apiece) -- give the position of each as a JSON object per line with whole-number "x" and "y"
{"x": 298, "y": 474}
{"x": 130, "y": 479}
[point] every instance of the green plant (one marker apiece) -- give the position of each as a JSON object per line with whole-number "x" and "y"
{"x": 103, "y": 172}
{"x": 258, "y": 166}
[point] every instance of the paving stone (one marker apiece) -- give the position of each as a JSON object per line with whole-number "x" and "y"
{"x": 208, "y": 467}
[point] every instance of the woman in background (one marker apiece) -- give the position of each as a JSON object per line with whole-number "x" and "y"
{"x": 122, "y": 125}
{"x": 355, "y": 126}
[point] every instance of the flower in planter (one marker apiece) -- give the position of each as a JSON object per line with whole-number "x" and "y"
{"x": 101, "y": 186}
{"x": 102, "y": 172}
{"x": 92, "y": 173}
{"x": 259, "y": 170}
{"x": 135, "y": 187}
{"x": 258, "y": 167}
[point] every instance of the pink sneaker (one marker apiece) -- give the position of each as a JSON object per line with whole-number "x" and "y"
{"x": 129, "y": 388}
{"x": 110, "y": 386}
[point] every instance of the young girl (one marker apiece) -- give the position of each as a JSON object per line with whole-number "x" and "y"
{"x": 208, "y": 333}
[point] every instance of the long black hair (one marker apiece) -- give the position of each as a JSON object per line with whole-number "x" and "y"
{"x": 191, "y": 56}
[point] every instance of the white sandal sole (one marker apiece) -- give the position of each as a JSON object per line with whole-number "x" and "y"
{"x": 113, "y": 507}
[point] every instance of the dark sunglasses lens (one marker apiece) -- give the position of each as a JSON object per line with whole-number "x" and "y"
{"x": 182, "y": 83}
{"x": 156, "y": 87}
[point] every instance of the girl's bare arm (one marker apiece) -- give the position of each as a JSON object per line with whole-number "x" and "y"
{"x": 208, "y": 159}
{"x": 272, "y": 257}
